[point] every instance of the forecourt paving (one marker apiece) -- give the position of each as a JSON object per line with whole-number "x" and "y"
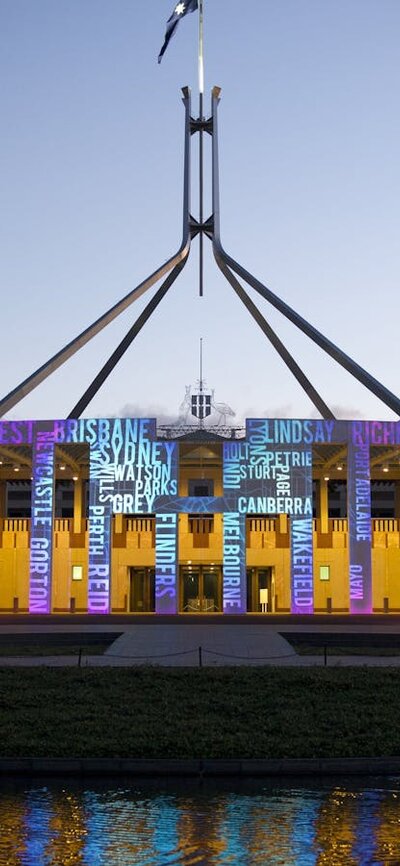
{"x": 180, "y": 645}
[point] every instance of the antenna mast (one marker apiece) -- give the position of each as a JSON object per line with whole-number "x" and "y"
{"x": 201, "y": 419}
{"x": 201, "y": 364}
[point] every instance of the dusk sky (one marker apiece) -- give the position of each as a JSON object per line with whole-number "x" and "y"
{"x": 91, "y": 166}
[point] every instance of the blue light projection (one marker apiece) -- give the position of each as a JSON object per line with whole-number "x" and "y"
{"x": 269, "y": 472}
{"x": 234, "y": 563}
{"x": 128, "y": 470}
{"x": 17, "y": 432}
{"x": 166, "y": 563}
{"x": 301, "y": 565}
{"x": 375, "y": 432}
{"x": 359, "y": 516}
{"x": 42, "y": 520}
{"x": 100, "y": 514}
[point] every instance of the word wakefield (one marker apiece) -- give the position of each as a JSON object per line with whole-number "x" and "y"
{"x": 268, "y": 472}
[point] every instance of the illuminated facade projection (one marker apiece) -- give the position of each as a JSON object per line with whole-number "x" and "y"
{"x": 117, "y": 515}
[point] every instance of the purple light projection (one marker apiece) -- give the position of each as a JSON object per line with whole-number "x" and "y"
{"x": 234, "y": 569}
{"x": 267, "y": 473}
{"x": 42, "y": 519}
{"x": 166, "y": 563}
{"x": 271, "y": 473}
{"x": 359, "y": 516}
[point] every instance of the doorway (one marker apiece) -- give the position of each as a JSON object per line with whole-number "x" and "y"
{"x": 201, "y": 589}
{"x": 261, "y": 590}
{"x": 142, "y": 595}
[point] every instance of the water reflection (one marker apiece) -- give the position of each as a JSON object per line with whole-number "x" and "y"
{"x": 152, "y": 825}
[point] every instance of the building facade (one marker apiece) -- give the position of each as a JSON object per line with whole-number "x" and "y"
{"x": 116, "y": 516}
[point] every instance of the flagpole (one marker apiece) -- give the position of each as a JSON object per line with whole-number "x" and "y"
{"x": 201, "y": 56}
{"x": 201, "y": 93}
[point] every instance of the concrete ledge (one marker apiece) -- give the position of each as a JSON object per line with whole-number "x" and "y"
{"x": 196, "y": 767}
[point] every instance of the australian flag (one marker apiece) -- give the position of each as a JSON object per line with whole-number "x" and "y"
{"x": 181, "y": 9}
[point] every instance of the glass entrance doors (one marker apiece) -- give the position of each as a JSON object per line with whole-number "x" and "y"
{"x": 201, "y": 589}
{"x": 261, "y": 590}
{"x": 142, "y": 590}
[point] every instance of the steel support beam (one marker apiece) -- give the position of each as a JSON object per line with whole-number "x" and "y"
{"x": 125, "y": 343}
{"x": 32, "y": 381}
{"x": 337, "y": 354}
{"x": 228, "y": 265}
{"x": 288, "y": 359}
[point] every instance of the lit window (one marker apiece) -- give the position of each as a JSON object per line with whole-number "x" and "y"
{"x": 77, "y": 572}
{"x": 324, "y": 572}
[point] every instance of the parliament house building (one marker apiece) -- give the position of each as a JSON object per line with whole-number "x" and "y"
{"x": 284, "y": 516}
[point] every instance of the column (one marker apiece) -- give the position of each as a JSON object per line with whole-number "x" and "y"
{"x": 283, "y": 524}
{"x": 234, "y": 592}
{"x": 301, "y": 540}
{"x": 3, "y": 498}
{"x": 397, "y": 499}
{"x": 359, "y": 517}
{"x": 323, "y": 505}
{"x": 78, "y": 506}
{"x": 42, "y": 513}
{"x": 167, "y": 563}
{"x": 118, "y": 523}
{"x": 100, "y": 512}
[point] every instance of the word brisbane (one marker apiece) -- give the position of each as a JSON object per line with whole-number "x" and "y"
{"x": 274, "y": 505}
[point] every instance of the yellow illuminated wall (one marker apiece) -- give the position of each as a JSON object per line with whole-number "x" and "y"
{"x": 200, "y": 543}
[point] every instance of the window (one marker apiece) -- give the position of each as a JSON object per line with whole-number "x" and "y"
{"x": 337, "y": 498}
{"x": 64, "y": 499}
{"x": 18, "y": 498}
{"x": 324, "y": 572}
{"x": 201, "y": 487}
{"x": 77, "y": 572}
{"x": 383, "y": 499}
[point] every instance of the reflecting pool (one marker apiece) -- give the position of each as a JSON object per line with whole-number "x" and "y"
{"x": 113, "y": 823}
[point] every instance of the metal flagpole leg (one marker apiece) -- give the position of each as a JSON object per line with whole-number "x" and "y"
{"x": 125, "y": 343}
{"x": 32, "y": 381}
{"x": 323, "y": 342}
{"x": 201, "y": 239}
{"x": 288, "y": 359}
{"x": 201, "y": 116}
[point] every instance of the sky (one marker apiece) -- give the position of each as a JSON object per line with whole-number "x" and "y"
{"x": 91, "y": 172}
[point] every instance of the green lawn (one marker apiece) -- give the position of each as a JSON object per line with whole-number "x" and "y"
{"x": 199, "y": 713}
{"x": 347, "y": 650}
{"x": 56, "y": 643}
{"x": 55, "y": 649}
